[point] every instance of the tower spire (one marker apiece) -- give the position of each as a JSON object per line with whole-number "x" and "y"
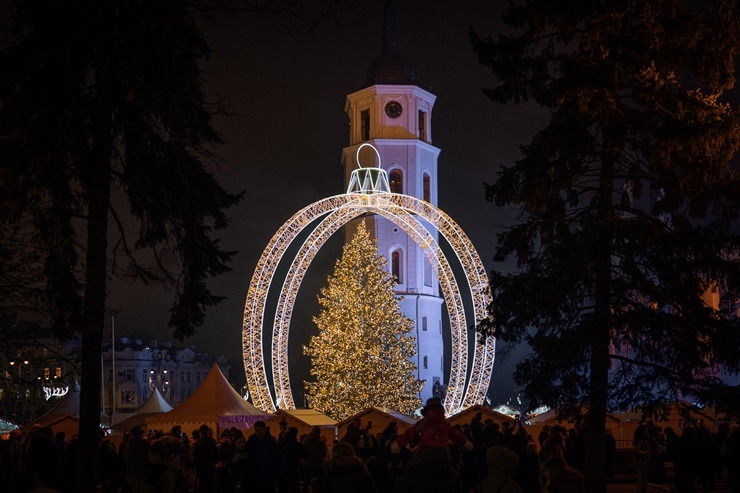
{"x": 390, "y": 67}
{"x": 390, "y": 34}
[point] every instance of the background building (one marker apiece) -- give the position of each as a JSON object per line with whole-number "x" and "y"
{"x": 137, "y": 366}
{"x": 31, "y": 360}
{"x": 36, "y": 368}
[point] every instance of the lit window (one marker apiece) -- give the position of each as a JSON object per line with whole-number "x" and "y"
{"x": 396, "y": 266}
{"x": 58, "y": 372}
{"x": 365, "y": 124}
{"x": 47, "y": 373}
{"x": 427, "y": 188}
{"x": 422, "y": 125}
{"x": 128, "y": 397}
{"x": 396, "y": 181}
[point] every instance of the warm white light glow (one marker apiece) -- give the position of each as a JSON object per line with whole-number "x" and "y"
{"x": 367, "y": 196}
{"x": 50, "y": 392}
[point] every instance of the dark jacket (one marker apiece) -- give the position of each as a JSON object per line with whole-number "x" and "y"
{"x": 264, "y": 459}
{"x": 349, "y": 475}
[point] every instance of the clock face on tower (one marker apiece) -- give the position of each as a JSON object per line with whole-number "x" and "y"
{"x": 393, "y": 109}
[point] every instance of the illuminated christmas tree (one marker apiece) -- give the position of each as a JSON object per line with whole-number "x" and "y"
{"x": 360, "y": 358}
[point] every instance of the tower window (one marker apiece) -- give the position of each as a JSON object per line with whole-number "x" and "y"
{"x": 396, "y": 181}
{"x": 365, "y": 124}
{"x": 422, "y": 125}
{"x": 427, "y": 187}
{"x": 427, "y": 273}
{"x": 426, "y": 362}
{"x": 396, "y": 266}
{"x": 423, "y": 323}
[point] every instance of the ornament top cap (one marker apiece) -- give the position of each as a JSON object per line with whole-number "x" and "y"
{"x": 368, "y": 180}
{"x": 357, "y": 154}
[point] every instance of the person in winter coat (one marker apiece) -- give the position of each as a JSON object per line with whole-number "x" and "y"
{"x": 314, "y": 461}
{"x": 135, "y": 456}
{"x": 162, "y": 475}
{"x": 292, "y": 452}
{"x": 265, "y": 462}
{"x": 429, "y": 470}
{"x": 347, "y": 473}
{"x": 502, "y": 464}
{"x": 205, "y": 456}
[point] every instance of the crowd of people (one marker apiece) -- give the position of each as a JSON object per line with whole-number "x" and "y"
{"x": 697, "y": 455}
{"x": 431, "y": 456}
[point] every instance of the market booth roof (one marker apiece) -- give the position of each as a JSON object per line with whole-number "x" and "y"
{"x": 304, "y": 420}
{"x": 154, "y": 406}
{"x": 215, "y": 403}
{"x": 465, "y": 416}
{"x": 64, "y": 416}
{"x": 379, "y": 417}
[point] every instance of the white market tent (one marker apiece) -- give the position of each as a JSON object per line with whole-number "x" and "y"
{"x": 215, "y": 403}
{"x": 65, "y": 416}
{"x": 154, "y": 406}
{"x": 7, "y": 427}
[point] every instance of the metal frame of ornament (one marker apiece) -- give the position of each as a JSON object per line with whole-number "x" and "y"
{"x": 367, "y": 192}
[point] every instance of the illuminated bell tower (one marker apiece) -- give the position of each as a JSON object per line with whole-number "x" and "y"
{"x": 394, "y": 114}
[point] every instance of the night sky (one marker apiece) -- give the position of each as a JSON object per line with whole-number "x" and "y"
{"x": 283, "y": 149}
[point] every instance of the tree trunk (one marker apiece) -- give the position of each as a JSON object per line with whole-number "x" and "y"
{"x": 95, "y": 175}
{"x": 601, "y": 328}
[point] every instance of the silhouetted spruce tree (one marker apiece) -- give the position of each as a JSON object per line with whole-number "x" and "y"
{"x": 625, "y": 204}
{"x": 98, "y": 98}
{"x": 102, "y": 100}
{"x": 360, "y": 358}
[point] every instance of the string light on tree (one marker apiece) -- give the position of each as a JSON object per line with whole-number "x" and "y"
{"x": 361, "y": 356}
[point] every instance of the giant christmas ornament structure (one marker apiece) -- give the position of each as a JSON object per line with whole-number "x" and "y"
{"x": 368, "y": 192}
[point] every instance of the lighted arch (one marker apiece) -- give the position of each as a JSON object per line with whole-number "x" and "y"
{"x": 252, "y": 339}
{"x": 434, "y": 255}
